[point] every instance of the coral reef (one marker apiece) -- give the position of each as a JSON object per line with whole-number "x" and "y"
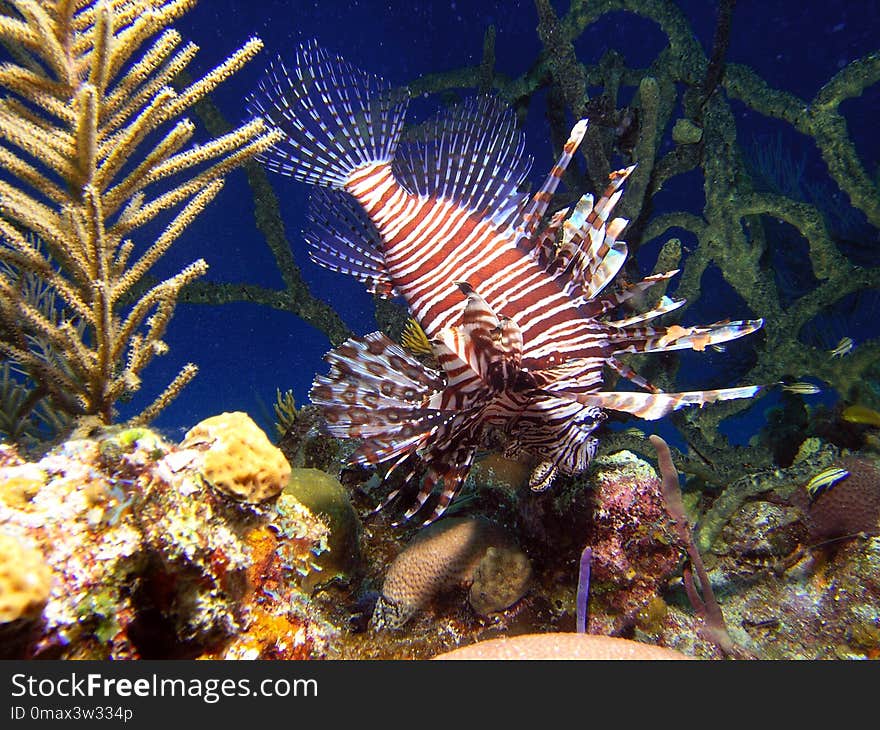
{"x": 25, "y": 580}
{"x": 635, "y": 550}
{"x": 87, "y": 89}
{"x": 850, "y": 506}
{"x": 325, "y": 497}
{"x": 500, "y": 579}
{"x": 146, "y": 560}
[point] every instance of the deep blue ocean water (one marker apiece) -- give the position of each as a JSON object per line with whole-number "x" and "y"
{"x": 246, "y": 352}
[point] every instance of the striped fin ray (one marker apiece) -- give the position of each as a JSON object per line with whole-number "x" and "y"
{"x": 666, "y": 305}
{"x": 376, "y": 391}
{"x": 537, "y": 206}
{"x": 590, "y": 240}
{"x": 545, "y": 250}
{"x": 335, "y": 118}
{"x": 676, "y": 337}
{"x": 631, "y": 375}
{"x": 475, "y": 158}
{"x": 652, "y": 406}
{"x": 341, "y": 238}
{"x": 604, "y": 304}
{"x": 447, "y": 463}
{"x": 571, "y": 375}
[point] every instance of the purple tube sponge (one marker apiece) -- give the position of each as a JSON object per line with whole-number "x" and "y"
{"x": 583, "y": 594}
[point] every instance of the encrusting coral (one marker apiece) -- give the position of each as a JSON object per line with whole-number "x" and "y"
{"x": 25, "y": 580}
{"x": 140, "y": 558}
{"x": 91, "y": 130}
{"x": 562, "y": 646}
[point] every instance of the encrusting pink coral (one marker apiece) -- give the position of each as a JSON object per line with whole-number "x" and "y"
{"x": 562, "y": 646}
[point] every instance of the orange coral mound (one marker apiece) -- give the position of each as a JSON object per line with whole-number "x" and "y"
{"x": 561, "y": 646}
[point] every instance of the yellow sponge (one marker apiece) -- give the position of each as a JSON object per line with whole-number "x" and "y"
{"x": 25, "y": 581}
{"x": 238, "y": 459}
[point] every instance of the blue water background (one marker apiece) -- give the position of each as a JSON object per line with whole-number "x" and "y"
{"x": 245, "y": 352}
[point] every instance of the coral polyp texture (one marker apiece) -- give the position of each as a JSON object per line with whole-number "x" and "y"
{"x": 561, "y": 646}
{"x": 452, "y": 554}
{"x": 850, "y": 506}
{"x": 94, "y": 147}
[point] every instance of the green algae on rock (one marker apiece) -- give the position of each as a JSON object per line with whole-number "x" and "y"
{"x": 324, "y": 496}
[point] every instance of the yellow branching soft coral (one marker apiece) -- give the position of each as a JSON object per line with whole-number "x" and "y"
{"x": 92, "y": 136}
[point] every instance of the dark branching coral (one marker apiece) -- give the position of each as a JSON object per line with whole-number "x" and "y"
{"x": 730, "y": 229}
{"x": 90, "y": 131}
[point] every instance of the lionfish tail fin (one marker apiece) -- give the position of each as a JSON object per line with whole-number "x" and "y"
{"x": 335, "y": 118}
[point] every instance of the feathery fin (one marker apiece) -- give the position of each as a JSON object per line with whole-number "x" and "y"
{"x": 342, "y": 238}
{"x": 474, "y": 157}
{"x": 335, "y": 118}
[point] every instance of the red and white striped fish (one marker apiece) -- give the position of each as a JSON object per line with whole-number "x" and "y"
{"x": 514, "y": 307}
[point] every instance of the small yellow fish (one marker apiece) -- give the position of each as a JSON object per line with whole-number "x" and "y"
{"x": 801, "y": 388}
{"x": 414, "y": 339}
{"x": 824, "y": 480}
{"x": 633, "y": 431}
{"x": 861, "y": 414}
{"x": 719, "y": 348}
{"x": 844, "y": 347}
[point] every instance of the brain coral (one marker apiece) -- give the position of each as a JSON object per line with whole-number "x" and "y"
{"x": 238, "y": 459}
{"x": 443, "y": 556}
{"x": 850, "y": 506}
{"x": 25, "y": 581}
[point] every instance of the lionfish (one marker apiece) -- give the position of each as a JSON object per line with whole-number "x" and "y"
{"x": 515, "y": 307}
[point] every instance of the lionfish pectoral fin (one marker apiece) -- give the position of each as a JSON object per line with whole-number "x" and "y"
{"x": 665, "y": 306}
{"x": 334, "y": 118}
{"x": 676, "y": 337}
{"x": 610, "y": 301}
{"x": 376, "y": 391}
{"x": 446, "y": 461}
{"x": 631, "y": 375}
{"x": 651, "y": 406}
